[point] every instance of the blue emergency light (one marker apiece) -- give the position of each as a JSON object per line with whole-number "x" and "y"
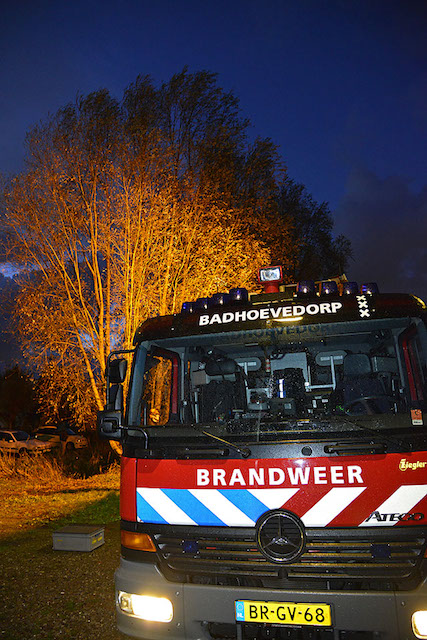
{"x": 187, "y": 307}
{"x": 239, "y": 295}
{"x": 306, "y": 288}
{"x": 219, "y": 299}
{"x": 350, "y": 289}
{"x": 202, "y": 304}
{"x": 329, "y": 288}
{"x": 369, "y": 288}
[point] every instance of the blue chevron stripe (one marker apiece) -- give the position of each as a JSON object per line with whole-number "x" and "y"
{"x": 193, "y": 507}
{"x": 146, "y": 513}
{"x": 246, "y": 502}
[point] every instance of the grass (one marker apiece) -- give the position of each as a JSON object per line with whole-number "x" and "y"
{"x": 36, "y": 491}
{"x": 34, "y": 469}
{"x": 47, "y": 594}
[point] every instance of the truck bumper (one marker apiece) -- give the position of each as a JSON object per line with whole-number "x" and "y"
{"x": 199, "y": 611}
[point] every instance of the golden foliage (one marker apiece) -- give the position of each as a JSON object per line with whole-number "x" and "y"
{"x": 128, "y": 210}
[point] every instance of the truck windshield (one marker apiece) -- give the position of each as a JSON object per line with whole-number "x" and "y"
{"x": 374, "y": 368}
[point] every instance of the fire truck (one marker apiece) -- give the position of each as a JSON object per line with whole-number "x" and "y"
{"x": 274, "y": 466}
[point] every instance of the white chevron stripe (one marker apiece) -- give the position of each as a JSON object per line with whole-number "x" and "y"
{"x": 401, "y": 501}
{"x": 328, "y": 507}
{"x": 273, "y": 498}
{"x": 222, "y": 508}
{"x": 165, "y": 507}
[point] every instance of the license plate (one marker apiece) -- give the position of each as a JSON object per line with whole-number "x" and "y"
{"x": 284, "y": 613}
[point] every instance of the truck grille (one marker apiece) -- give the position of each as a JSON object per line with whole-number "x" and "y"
{"x": 391, "y": 559}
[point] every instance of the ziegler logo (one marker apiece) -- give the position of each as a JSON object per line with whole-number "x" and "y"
{"x": 394, "y": 517}
{"x": 404, "y": 465}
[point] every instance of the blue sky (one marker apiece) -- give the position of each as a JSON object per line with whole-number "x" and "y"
{"x": 339, "y": 85}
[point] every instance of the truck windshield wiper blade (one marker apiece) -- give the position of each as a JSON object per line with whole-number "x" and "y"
{"x": 400, "y": 444}
{"x": 351, "y": 448}
{"x": 245, "y": 452}
{"x": 324, "y": 425}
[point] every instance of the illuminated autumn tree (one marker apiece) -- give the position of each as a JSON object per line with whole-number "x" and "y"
{"x": 127, "y": 209}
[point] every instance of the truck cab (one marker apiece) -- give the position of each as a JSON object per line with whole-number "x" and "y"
{"x": 274, "y": 467}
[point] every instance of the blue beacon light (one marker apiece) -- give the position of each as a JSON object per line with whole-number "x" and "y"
{"x": 306, "y": 288}
{"x": 201, "y": 304}
{"x": 369, "y": 288}
{"x": 329, "y": 288}
{"x": 219, "y": 299}
{"x": 239, "y": 295}
{"x": 187, "y": 307}
{"x": 350, "y": 289}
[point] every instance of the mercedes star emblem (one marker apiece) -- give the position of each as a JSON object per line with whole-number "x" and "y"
{"x": 280, "y": 536}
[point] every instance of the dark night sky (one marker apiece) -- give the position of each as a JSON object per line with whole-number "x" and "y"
{"x": 339, "y": 85}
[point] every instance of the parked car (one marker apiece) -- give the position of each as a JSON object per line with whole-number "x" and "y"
{"x": 56, "y": 436}
{"x": 16, "y": 441}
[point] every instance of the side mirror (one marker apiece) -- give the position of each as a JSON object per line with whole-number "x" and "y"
{"x": 109, "y": 421}
{"x": 116, "y": 371}
{"x": 109, "y": 425}
{"x": 115, "y": 375}
{"x": 115, "y": 398}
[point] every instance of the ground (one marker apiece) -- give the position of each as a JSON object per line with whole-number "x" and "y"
{"x": 47, "y": 594}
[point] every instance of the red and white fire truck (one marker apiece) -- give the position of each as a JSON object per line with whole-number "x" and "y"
{"x": 274, "y": 467}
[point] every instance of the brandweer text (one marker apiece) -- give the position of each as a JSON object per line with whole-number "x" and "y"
{"x": 277, "y": 476}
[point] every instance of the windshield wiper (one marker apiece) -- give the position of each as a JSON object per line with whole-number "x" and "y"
{"x": 345, "y": 449}
{"x": 245, "y": 452}
{"x": 186, "y": 450}
{"x": 400, "y": 444}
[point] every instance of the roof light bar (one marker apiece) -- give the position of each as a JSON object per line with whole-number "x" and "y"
{"x": 271, "y": 278}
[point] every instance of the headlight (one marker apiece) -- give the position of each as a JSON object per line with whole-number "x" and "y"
{"x": 148, "y": 608}
{"x": 419, "y": 624}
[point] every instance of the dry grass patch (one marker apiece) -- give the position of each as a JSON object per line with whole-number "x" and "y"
{"x": 35, "y": 470}
{"x": 35, "y": 491}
